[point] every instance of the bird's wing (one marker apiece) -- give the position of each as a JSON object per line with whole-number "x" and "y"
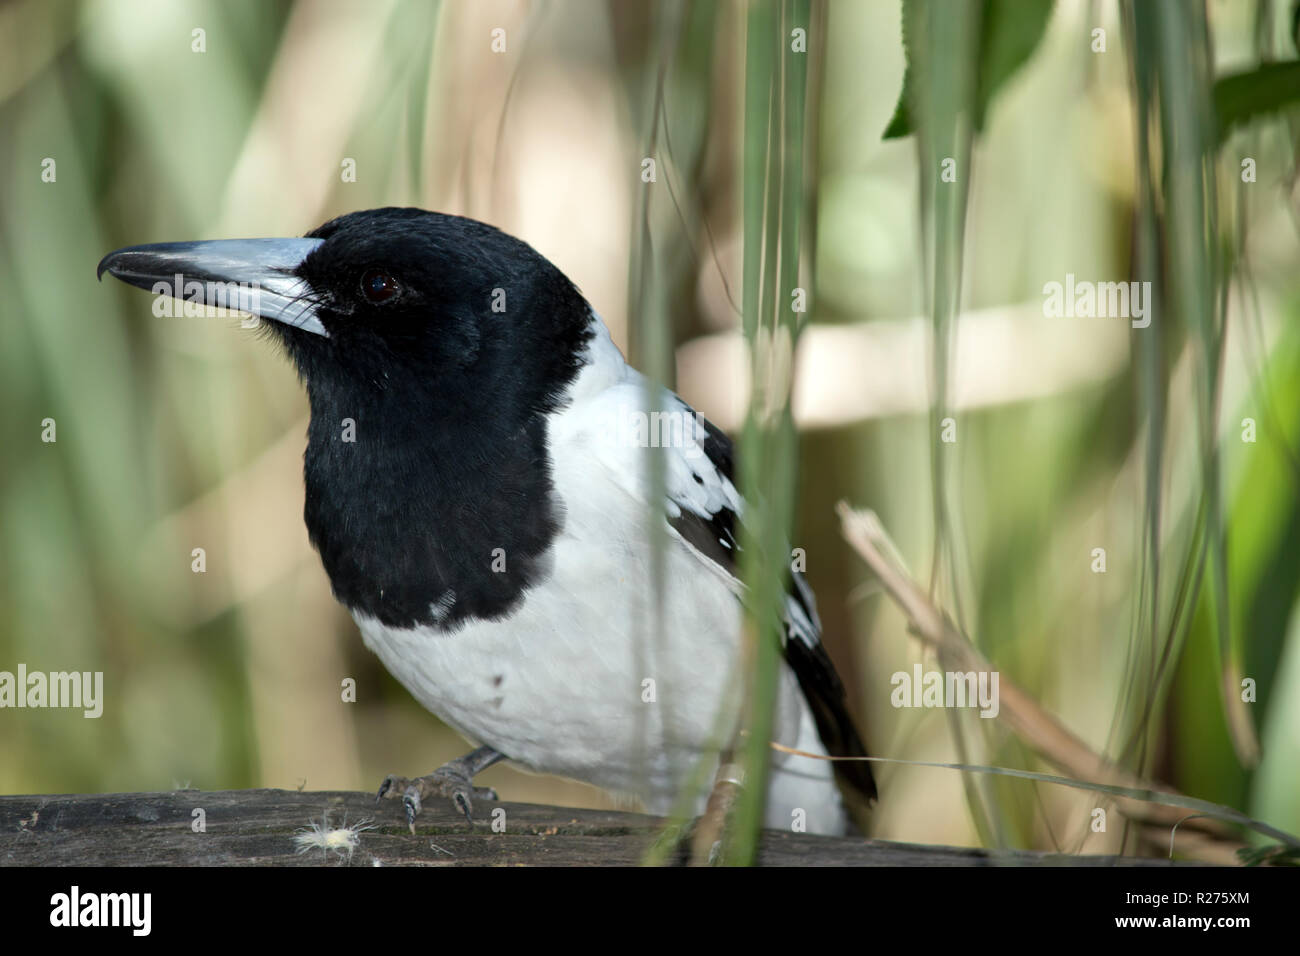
{"x": 704, "y": 509}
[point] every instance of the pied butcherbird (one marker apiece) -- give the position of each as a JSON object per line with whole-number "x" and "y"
{"x": 476, "y": 486}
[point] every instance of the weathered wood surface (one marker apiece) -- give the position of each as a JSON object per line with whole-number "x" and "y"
{"x": 257, "y": 828}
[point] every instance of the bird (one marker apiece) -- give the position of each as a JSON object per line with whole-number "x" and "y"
{"x": 477, "y": 490}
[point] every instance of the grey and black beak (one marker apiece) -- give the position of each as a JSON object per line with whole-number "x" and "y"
{"x": 257, "y": 276}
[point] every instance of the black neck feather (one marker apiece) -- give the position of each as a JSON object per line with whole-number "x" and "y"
{"x": 424, "y": 520}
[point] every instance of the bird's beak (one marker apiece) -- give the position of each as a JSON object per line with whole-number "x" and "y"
{"x": 252, "y": 275}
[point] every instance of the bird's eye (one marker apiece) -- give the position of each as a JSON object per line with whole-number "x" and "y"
{"x": 378, "y": 286}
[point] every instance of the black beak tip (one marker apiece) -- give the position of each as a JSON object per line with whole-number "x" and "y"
{"x": 105, "y": 265}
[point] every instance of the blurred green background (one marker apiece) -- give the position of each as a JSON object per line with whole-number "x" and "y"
{"x": 180, "y": 433}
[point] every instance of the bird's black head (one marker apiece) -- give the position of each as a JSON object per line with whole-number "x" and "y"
{"x": 392, "y": 299}
{"x": 411, "y": 299}
{"x": 431, "y": 346}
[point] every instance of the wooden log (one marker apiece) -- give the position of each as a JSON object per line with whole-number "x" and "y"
{"x": 260, "y": 827}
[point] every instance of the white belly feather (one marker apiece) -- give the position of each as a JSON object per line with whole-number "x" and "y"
{"x": 578, "y": 681}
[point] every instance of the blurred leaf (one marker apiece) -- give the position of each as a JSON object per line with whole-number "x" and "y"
{"x": 776, "y": 81}
{"x": 647, "y": 310}
{"x": 1275, "y": 854}
{"x": 1151, "y": 368}
{"x": 943, "y": 58}
{"x": 426, "y": 31}
{"x": 1242, "y": 97}
{"x": 1010, "y": 32}
{"x": 1274, "y": 785}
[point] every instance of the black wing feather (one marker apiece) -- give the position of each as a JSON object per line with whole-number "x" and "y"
{"x": 714, "y": 536}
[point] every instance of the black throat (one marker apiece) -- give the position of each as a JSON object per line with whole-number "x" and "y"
{"x": 423, "y": 520}
{"x": 431, "y": 501}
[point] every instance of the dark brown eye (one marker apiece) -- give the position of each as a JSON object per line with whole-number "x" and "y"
{"x": 378, "y": 286}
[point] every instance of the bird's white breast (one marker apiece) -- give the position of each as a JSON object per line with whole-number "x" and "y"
{"x": 579, "y": 680}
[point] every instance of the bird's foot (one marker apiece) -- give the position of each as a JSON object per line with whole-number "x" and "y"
{"x": 452, "y": 780}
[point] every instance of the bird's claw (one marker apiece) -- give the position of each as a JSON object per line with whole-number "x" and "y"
{"x": 411, "y": 804}
{"x": 447, "y": 781}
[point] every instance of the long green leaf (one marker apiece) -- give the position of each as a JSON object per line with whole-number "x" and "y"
{"x": 1011, "y": 30}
